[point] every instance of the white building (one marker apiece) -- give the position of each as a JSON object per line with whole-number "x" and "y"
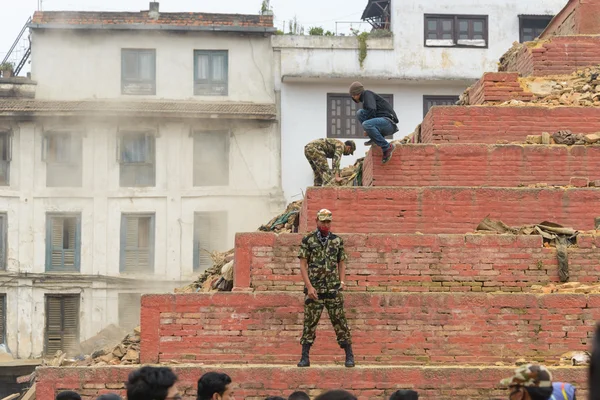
{"x": 437, "y": 49}
{"x": 152, "y": 137}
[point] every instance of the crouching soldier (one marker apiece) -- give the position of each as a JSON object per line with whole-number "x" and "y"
{"x": 318, "y": 151}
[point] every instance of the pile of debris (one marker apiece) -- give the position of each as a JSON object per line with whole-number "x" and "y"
{"x": 351, "y": 175}
{"x": 570, "y": 287}
{"x": 564, "y": 137}
{"x": 286, "y": 222}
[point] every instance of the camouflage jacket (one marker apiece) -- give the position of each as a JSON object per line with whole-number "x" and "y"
{"x": 323, "y": 261}
{"x": 332, "y": 148}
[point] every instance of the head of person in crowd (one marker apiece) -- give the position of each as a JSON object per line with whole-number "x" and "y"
{"x": 156, "y": 383}
{"x": 530, "y": 382}
{"x": 110, "y": 396}
{"x": 299, "y": 395}
{"x": 215, "y": 386}
{"x": 336, "y": 395}
{"x": 404, "y": 395}
{"x": 68, "y": 395}
{"x": 275, "y": 398}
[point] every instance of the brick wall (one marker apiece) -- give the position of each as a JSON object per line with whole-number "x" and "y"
{"x": 387, "y": 328}
{"x": 489, "y": 124}
{"x": 418, "y": 263}
{"x": 481, "y": 165}
{"x": 446, "y": 209}
{"x": 497, "y": 87}
{"x": 578, "y": 17}
{"x": 256, "y": 383}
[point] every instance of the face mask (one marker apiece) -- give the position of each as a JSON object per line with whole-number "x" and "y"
{"x": 324, "y": 230}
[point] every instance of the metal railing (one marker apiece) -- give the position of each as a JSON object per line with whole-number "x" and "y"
{"x": 25, "y": 57}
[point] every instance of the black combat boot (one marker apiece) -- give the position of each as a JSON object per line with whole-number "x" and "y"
{"x": 349, "y": 356}
{"x": 305, "y": 361}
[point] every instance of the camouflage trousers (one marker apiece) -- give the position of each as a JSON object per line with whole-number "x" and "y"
{"x": 318, "y": 162}
{"x": 335, "y": 309}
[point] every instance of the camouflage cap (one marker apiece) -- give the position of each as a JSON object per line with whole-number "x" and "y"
{"x": 530, "y": 375}
{"x": 324, "y": 215}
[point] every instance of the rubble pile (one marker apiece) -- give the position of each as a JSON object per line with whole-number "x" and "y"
{"x": 351, "y": 175}
{"x": 287, "y": 221}
{"x": 570, "y": 287}
{"x": 564, "y": 137}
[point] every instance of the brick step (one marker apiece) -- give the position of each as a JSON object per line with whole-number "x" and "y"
{"x": 482, "y": 165}
{"x": 258, "y": 382}
{"x": 446, "y": 209}
{"x": 418, "y": 263}
{"x": 489, "y": 124}
{"x": 387, "y": 328}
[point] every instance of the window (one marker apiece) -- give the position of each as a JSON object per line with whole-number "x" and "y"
{"x": 129, "y": 310}
{"x": 62, "y": 153}
{"x": 3, "y": 242}
{"x": 137, "y": 243}
{"x": 138, "y": 71}
{"x": 2, "y": 318}
{"x": 136, "y": 154}
{"x": 63, "y": 242}
{"x": 532, "y": 26}
{"x": 5, "y": 157}
{"x": 211, "y": 159}
{"x": 341, "y": 116}
{"x": 430, "y": 101}
{"x": 210, "y": 72}
{"x": 210, "y": 234}
{"x": 62, "y": 324}
{"x": 456, "y": 30}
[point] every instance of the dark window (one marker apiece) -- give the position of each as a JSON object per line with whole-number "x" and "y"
{"x": 2, "y": 318}
{"x": 456, "y": 30}
{"x": 5, "y": 157}
{"x": 210, "y": 72}
{"x": 62, "y": 324}
{"x": 210, "y": 234}
{"x": 62, "y": 154}
{"x": 63, "y": 242}
{"x": 137, "y": 243}
{"x": 532, "y": 26}
{"x": 129, "y": 310}
{"x": 341, "y": 116}
{"x": 211, "y": 159}
{"x": 138, "y": 71}
{"x": 430, "y": 101}
{"x": 3, "y": 241}
{"x": 136, "y": 154}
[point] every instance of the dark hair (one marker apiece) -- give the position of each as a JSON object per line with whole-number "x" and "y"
{"x": 109, "y": 396}
{"x": 336, "y": 395}
{"x": 539, "y": 393}
{"x": 275, "y": 398}
{"x": 404, "y": 395}
{"x": 68, "y": 395}
{"x": 150, "y": 383}
{"x": 211, "y": 383}
{"x": 594, "y": 383}
{"x": 299, "y": 395}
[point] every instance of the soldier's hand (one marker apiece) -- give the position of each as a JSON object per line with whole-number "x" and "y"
{"x": 312, "y": 293}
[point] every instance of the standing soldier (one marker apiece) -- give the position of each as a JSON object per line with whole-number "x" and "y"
{"x": 323, "y": 268}
{"x": 318, "y": 151}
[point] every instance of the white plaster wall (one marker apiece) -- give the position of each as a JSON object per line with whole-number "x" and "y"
{"x": 304, "y": 118}
{"x": 86, "y": 65}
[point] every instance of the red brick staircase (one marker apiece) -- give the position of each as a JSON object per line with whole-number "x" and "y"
{"x": 431, "y": 305}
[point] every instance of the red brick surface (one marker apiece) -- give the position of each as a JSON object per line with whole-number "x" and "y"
{"x": 446, "y": 209}
{"x": 418, "y": 263}
{"x": 577, "y": 17}
{"x": 481, "y": 165}
{"x": 497, "y": 87}
{"x": 488, "y": 124}
{"x": 256, "y": 383}
{"x": 387, "y": 328}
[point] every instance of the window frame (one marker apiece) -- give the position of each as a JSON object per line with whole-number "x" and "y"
{"x": 536, "y": 17}
{"x": 210, "y": 81}
{"x": 217, "y": 215}
{"x": 49, "y": 268}
{"x": 129, "y": 81}
{"x": 123, "y": 243}
{"x": 75, "y": 157}
{"x": 46, "y": 316}
{"x": 3, "y": 318}
{"x": 427, "y": 98}
{"x": 455, "y": 30}
{"x": 150, "y": 157}
{"x": 6, "y": 134}
{"x": 3, "y": 241}
{"x": 195, "y": 137}
{"x": 344, "y": 96}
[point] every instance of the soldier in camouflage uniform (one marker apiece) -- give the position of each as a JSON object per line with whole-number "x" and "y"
{"x": 323, "y": 268}
{"x": 534, "y": 382}
{"x": 318, "y": 151}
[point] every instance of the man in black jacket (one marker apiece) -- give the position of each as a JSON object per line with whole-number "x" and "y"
{"x": 377, "y": 118}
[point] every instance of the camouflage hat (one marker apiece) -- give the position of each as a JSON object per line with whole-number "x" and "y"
{"x": 530, "y": 375}
{"x": 324, "y": 215}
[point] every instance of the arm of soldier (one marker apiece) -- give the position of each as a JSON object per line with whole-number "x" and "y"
{"x": 337, "y": 158}
{"x": 342, "y": 257}
{"x": 312, "y": 293}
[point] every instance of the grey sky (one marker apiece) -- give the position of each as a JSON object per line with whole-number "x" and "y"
{"x": 309, "y": 12}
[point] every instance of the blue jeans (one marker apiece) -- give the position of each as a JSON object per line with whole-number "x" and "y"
{"x": 376, "y": 128}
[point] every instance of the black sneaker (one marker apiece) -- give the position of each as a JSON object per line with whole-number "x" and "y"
{"x": 369, "y": 142}
{"x": 387, "y": 155}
